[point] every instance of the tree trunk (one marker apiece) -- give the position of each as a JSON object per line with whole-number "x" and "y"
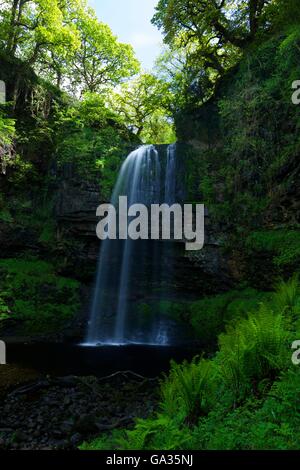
{"x": 11, "y": 34}
{"x": 253, "y": 10}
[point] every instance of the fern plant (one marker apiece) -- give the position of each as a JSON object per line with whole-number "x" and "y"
{"x": 287, "y": 296}
{"x": 231, "y": 364}
{"x": 255, "y": 350}
{"x": 265, "y": 338}
{"x": 189, "y": 390}
{"x": 161, "y": 433}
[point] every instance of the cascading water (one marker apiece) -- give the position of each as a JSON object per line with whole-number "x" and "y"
{"x": 170, "y": 179}
{"x": 166, "y": 252}
{"x": 126, "y": 268}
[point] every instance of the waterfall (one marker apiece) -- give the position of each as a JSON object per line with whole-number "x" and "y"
{"x": 123, "y": 270}
{"x": 170, "y": 179}
{"x": 166, "y": 253}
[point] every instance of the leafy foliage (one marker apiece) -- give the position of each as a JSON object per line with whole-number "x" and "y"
{"x": 255, "y": 350}
{"x": 210, "y": 315}
{"x": 287, "y": 296}
{"x": 207, "y": 38}
{"x": 269, "y": 424}
{"x": 100, "y": 61}
{"x": 93, "y": 139}
{"x": 34, "y": 295}
{"x": 161, "y": 433}
{"x": 7, "y": 134}
{"x": 284, "y": 244}
{"x": 65, "y": 43}
{"x": 189, "y": 390}
{"x": 142, "y": 103}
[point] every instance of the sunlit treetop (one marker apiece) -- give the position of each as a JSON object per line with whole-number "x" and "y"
{"x": 64, "y": 41}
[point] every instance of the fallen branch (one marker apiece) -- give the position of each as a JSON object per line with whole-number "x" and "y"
{"x": 33, "y": 387}
{"x": 73, "y": 380}
{"x": 121, "y": 422}
{"x": 125, "y": 373}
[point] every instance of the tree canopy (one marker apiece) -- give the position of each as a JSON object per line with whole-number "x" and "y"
{"x": 64, "y": 41}
{"x": 217, "y": 22}
{"x": 206, "y": 38}
{"x": 100, "y": 60}
{"x": 143, "y": 105}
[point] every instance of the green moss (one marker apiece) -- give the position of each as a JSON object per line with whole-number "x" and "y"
{"x": 37, "y": 298}
{"x": 210, "y": 315}
{"x": 284, "y": 244}
{"x": 47, "y": 236}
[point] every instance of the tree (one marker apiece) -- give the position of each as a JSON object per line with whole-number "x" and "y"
{"x": 65, "y": 43}
{"x": 159, "y": 128}
{"x": 100, "y": 60}
{"x": 31, "y": 28}
{"x": 205, "y": 39}
{"x": 141, "y": 102}
{"x": 234, "y": 22}
{"x": 214, "y": 30}
{"x": 187, "y": 76}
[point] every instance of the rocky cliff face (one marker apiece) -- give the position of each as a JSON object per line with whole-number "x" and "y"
{"x": 75, "y": 207}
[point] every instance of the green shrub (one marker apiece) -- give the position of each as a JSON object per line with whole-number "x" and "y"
{"x": 189, "y": 389}
{"x": 93, "y": 139}
{"x": 104, "y": 442}
{"x": 271, "y": 423}
{"x": 254, "y": 350}
{"x": 37, "y": 298}
{"x": 287, "y": 296}
{"x": 284, "y": 244}
{"x": 161, "y": 433}
{"x": 4, "y": 310}
{"x": 209, "y": 316}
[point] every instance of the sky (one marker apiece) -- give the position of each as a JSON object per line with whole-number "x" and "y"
{"x": 130, "y": 20}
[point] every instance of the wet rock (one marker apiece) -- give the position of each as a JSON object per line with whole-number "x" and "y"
{"x": 67, "y": 427}
{"x": 67, "y": 401}
{"x": 72, "y": 415}
{"x": 76, "y": 439}
{"x": 86, "y": 424}
{"x": 60, "y": 445}
{"x": 19, "y": 436}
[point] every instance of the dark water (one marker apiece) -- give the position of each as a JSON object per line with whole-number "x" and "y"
{"x": 70, "y": 359}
